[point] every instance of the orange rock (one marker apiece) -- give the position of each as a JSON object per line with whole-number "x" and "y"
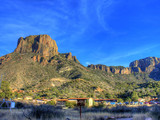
{"x": 34, "y": 58}
{"x": 38, "y": 44}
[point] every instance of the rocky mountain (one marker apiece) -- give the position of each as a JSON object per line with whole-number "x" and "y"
{"x": 36, "y": 65}
{"x": 145, "y": 65}
{"x": 43, "y": 45}
{"x": 38, "y": 44}
{"x": 149, "y": 65}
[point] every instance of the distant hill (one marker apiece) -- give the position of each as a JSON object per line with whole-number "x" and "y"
{"x": 36, "y": 65}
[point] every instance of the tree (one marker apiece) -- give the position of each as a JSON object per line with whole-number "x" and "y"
{"x": 94, "y": 88}
{"x": 120, "y": 100}
{"x": 5, "y": 90}
{"x": 134, "y": 96}
{"x": 108, "y": 96}
{"x": 128, "y": 99}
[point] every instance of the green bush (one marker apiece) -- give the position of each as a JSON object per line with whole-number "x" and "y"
{"x": 71, "y": 104}
{"x": 100, "y": 105}
{"x": 19, "y": 105}
{"x": 52, "y": 102}
{"x": 120, "y": 100}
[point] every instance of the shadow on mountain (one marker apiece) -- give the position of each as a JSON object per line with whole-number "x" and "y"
{"x": 155, "y": 73}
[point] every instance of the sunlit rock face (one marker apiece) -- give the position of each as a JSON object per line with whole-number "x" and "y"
{"x": 145, "y": 65}
{"x": 149, "y": 65}
{"x": 111, "y": 69}
{"x": 38, "y": 44}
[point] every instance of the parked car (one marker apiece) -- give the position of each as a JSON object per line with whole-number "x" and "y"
{"x": 141, "y": 103}
{"x": 152, "y": 102}
{"x": 136, "y": 103}
{"x": 119, "y": 103}
{"x": 112, "y": 103}
{"x": 146, "y": 103}
{"x": 126, "y": 103}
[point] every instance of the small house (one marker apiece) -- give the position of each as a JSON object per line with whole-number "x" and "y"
{"x": 88, "y": 101}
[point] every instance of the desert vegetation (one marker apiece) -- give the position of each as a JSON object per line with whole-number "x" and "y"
{"x": 47, "y": 112}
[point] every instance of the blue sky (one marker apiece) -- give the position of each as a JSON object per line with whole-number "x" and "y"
{"x": 110, "y": 32}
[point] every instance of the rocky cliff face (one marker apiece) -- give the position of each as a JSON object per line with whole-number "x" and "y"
{"x": 150, "y": 65}
{"x": 42, "y": 44}
{"x": 4, "y": 59}
{"x": 70, "y": 57}
{"x": 111, "y": 69}
{"x": 145, "y": 65}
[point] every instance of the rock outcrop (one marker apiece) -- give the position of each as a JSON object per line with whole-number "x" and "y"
{"x": 44, "y": 47}
{"x": 145, "y": 65}
{"x": 70, "y": 57}
{"x": 42, "y": 44}
{"x": 4, "y": 59}
{"x": 111, "y": 69}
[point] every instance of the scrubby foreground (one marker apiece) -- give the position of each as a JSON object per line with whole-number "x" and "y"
{"x": 45, "y": 112}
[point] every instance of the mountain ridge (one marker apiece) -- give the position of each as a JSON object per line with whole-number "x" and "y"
{"x": 146, "y": 65}
{"x": 37, "y": 65}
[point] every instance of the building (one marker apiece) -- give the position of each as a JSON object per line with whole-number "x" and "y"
{"x": 87, "y": 101}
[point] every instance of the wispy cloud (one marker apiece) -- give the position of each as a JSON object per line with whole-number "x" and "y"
{"x": 129, "y": 53}
{"x": 103, "y": 11}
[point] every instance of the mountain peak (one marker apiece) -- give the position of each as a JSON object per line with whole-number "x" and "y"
{"x": 42, "y": 44}
{"x": 146, "y": 65}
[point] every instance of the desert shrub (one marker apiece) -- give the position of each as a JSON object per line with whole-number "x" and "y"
{"x": 2, "y": 114}
{"x": 99, "y": 118}
{"x": 4, "y": 105}
{"x": 45, "y": 112}
{"x": 119, "y": 109}
{"x": 6, "y": 91}
{"x": 120, "y": 100}
{"x": 19, "y": 105}
{"x": 100, "y": 105}
{"x": 156, "y": 110}
{"x": 71, "y": 104}
{"x": 142, "y": 109}
{"x": 95, "y": 109}
{"x": 87, "y": 103}
{"x": 52, "y": 102}
{"x": 138, "y": 109}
